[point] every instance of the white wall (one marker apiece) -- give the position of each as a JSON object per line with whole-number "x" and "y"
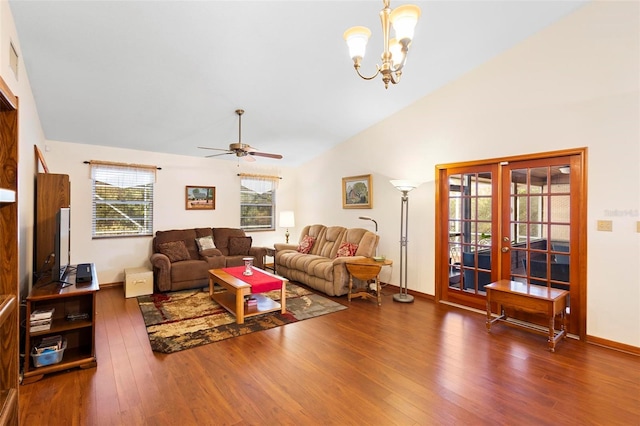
{"x": 29, "y": 134}
{"x": 112, "y": 255}
{"x": 575, "y": 84}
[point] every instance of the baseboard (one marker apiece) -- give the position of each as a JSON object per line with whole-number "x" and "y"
{"x": 610, "y": 344}
{"x": 111, "y": 285}
{"x": 416, "y": 294}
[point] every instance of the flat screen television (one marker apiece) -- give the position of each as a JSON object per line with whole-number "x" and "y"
{"x": 61, "y": 258}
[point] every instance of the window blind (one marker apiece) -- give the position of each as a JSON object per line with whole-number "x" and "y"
{"x": 122, "y": 199}
{"x": 257, "y": 202}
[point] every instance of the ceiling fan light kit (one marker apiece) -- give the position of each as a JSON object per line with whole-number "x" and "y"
{"x": 240, "y": 149}
{"x": 394, "y": 55}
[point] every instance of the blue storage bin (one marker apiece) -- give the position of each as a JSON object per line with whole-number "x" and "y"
{"x": 48, "y": 357}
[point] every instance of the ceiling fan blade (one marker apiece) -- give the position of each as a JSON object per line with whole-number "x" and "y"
{"x": 215, "y": 149}
{"x": 264, "y": 154}
{"x": 218, "y": 155}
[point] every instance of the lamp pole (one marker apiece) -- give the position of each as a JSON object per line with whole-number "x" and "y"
{"x": 403, "y": 296}
{"x": 404, "y": 186}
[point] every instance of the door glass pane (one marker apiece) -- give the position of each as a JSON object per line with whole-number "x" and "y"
{"x": 519, "y": 181}
{"x": 536, "y": 209}
{"x": 538, "y": 177}
{"x": 560, "y": 179}
{"x": 559, "y": 208}
{"x": 484, "y": 208}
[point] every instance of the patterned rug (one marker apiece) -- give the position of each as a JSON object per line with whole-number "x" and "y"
{"x": 189, "y": 318}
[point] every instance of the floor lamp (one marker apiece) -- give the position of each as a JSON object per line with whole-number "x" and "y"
{"x": 376, "y": 223}
{"x": 404, "y": 186}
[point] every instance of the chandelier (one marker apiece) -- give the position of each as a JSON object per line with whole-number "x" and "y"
{"x": 403, "y": 19}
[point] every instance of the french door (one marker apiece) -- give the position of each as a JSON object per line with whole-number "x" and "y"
{"x": 520, "y": 219}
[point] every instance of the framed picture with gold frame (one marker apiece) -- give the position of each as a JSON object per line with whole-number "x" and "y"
{"x": 357, "y": 192}
{"x": 200, "y": 198}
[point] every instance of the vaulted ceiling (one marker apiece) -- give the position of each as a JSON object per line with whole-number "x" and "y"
{"x": 167, "y": 76}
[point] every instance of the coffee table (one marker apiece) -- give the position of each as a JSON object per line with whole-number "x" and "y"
{"x": 233, "y": 299}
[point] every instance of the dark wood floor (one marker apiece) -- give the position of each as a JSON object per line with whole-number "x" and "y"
{"x": 398, "y": 364}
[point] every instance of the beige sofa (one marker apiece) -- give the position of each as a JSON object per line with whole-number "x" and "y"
{"x": 175, "y": 268}
{"x": 320, "y": 269}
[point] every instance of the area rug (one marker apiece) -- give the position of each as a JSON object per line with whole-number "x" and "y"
{"x": 185, "y": 319}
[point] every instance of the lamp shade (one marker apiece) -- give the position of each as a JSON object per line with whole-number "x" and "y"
{"x": 287, "y": 219}
{"x": 396, "y": 52}
{"x": 357, "y": 38}
{"x": 404, "y": 19}
{"x": 404, "y": 185}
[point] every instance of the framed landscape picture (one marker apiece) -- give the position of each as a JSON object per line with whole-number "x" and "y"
{"x": 357, "y": 192}
{"x": 200, "y": 198}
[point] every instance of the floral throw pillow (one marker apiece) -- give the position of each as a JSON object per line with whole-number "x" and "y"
{"x": 205, "y": 243}
{"x": 347, "y": 249}
{"x": 306, "y": 244}
{"x": 174, "y": 250}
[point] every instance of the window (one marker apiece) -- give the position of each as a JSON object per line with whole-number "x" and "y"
{"x": 122, "y": 200}
{"x": 257, "y": 202}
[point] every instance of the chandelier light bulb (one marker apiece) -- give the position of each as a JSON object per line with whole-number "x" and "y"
{"x": 396, "y": 52}
{"x": 404, "y": 19}
{"x": 357, "y": 38}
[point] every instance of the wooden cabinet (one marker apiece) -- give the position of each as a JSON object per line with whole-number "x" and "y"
{"x": 78, "y": 298}
{"x": 52, "y": 193}
{"x": 9, "y": 287}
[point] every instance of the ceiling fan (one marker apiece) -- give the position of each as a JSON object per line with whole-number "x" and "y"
{"x": 240, "y": 149}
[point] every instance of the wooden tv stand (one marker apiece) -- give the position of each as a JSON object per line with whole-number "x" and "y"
{"x": 80, "y": 334}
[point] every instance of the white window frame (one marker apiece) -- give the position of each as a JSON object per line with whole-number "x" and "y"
{"x": 120, "y": 180}
{"x": 253, "y": 190}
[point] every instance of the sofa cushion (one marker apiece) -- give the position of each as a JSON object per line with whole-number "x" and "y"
{"x": 205, "y": 243}
{"x": 210, "y": 252}
{"x": 239, "y": 246}
{"x": 347, "y": 249}
{"x": 174, "y": 250}
{"x": 306, "y": 244}
{"x": 221, "y": 238}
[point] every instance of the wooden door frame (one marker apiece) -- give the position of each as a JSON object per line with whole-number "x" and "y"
{"x": 442, "y": 234}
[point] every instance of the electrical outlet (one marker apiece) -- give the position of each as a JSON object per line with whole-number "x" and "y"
{"x": 605, "y": 225}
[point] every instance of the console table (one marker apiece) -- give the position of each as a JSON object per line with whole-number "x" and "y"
{"x": 529, "y": 298}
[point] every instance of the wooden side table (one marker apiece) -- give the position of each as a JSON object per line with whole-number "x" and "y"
{"x": 271, "y": 252}
{"x": 367, "y": 270}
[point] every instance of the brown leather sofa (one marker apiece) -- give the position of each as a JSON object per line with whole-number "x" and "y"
{"x": 180, "y": 263}
{"x": 322, "y": 268}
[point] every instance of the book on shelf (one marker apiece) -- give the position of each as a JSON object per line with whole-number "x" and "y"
{"x": 40, "y": 327}
{"x": 42, "y": 314}
{"x": 52, "y": 343}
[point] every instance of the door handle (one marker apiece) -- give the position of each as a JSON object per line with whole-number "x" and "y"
{"x": 505, "y": 249}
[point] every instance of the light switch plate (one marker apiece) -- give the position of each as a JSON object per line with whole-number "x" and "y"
{"x": 638, "y": 227}
{"x": 605, "y": 225}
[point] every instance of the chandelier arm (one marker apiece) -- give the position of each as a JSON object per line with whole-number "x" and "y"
{"x": 357, "y": 68}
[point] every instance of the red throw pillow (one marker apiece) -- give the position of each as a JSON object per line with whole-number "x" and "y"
{"x": 306, "y": 244}
{"x": 347, "y": 249}
{"x": 174, "y": 250}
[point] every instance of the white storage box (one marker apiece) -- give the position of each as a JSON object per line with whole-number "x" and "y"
{"x": 137, "y": 282}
